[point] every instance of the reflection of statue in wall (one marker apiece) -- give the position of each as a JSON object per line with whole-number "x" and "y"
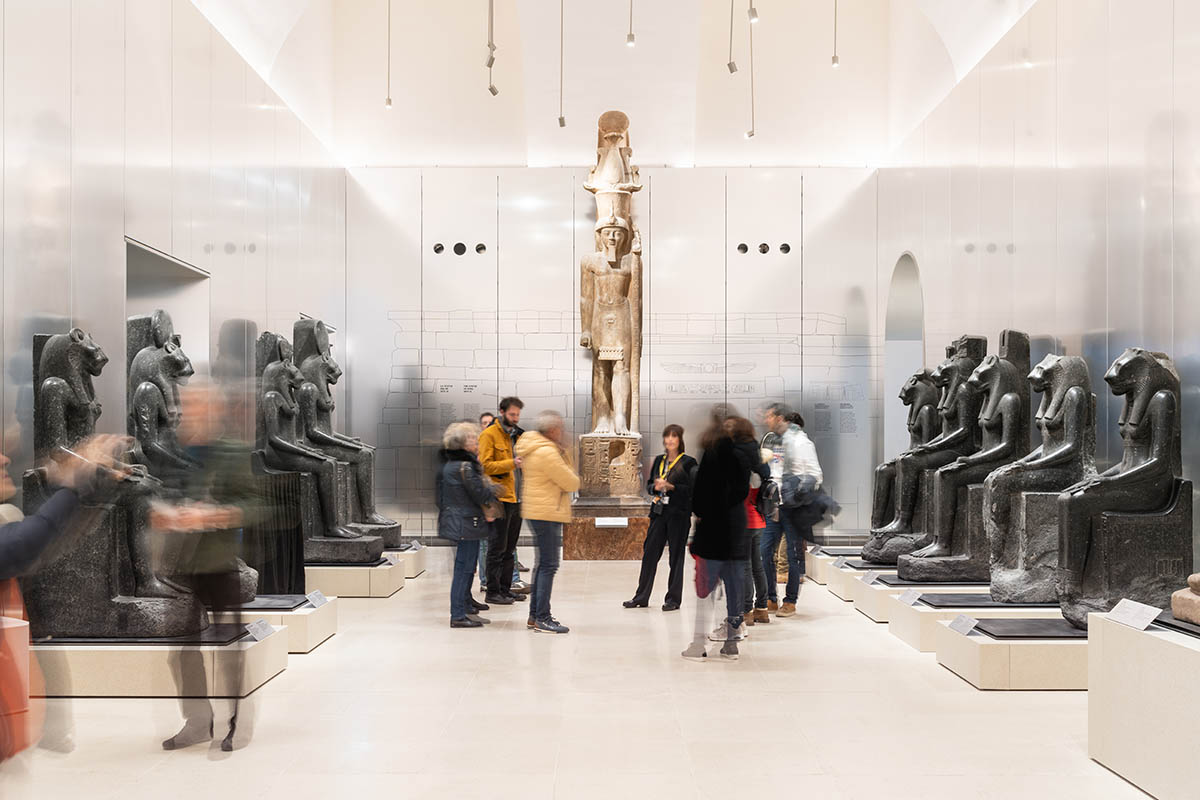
{"x": 1127, "y": 532}
{"x": 959, "y": 548}
{"x": 1024, "y": 553}
{"x": 283, "y": 446}
{"x": 320, "y": 371}
{"x": 104, "y": 584}
{"x": 157, "y": 366}
{"x": 611, "y": 284}
{"x": 958, "y": 409}
{"x": 920, "y": 395}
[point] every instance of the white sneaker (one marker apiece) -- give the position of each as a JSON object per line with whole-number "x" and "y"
{"x": 720, "y": 633}
{"x": 695, "y": 652}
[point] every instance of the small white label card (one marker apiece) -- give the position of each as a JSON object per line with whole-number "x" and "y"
{"x": 260, "y": 629}
{"x": 910, "y": 597}
{"x": 393, "y": 558}
{"x": 317, "y": 598}
{"x": 815, "y": 549}
{"x": 1134, "y": 614}
{"x": 612, "y": 522}
{"x": 840, "y": 562}
{"x": 871, "y": 576}
{"x": 963, "y": 624}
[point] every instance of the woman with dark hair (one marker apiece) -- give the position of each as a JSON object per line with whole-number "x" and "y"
{"x": 670, "y": 488}
{"x": 718, "y": 497}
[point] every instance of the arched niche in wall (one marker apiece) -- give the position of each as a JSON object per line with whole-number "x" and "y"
{"x": 903, "y": 348}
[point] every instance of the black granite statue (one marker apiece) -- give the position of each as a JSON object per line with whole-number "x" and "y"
{"x": 157, "y": 365}
{"x": 958, "y": 409}
{"x": 959, "y": 550}
{"x": 920, "y": 395}
{"x": 1020, "y": 511}
{"x": 315, "y": 360}
{"x": 283, "y": 447}
{"x": 1127, "y": 532}
{"x": 104, "y": 585}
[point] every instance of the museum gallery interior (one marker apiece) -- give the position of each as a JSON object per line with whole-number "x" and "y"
{"x": 830, "y": 368}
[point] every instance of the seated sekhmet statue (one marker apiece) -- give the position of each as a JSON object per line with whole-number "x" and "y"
{"x": 314, "y": 358}
{"x": 959, "y": 551}
{"x": 283, "y": 447}
{"x": 920, "y": 395}
{"x": 1020, "y": 509}
{"x": 958, "y": 411}
{"x": 99, "y": 582}
{"x": 1127, "y": 532}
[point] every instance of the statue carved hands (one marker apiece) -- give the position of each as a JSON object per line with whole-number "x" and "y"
{"x": 636, "y": 246}
{"x": 585, "y": 340}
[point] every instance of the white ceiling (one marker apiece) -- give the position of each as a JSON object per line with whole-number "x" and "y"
{"x": 328, "y": 60}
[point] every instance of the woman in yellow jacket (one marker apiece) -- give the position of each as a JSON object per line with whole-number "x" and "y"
{"x": 549, "y": 480}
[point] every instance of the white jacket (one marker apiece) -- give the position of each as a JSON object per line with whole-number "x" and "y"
{"x": 800, "y": 455}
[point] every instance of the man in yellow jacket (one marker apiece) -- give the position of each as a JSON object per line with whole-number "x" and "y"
{"x": 496, "y": 455}
{"x": 546, "y": 503}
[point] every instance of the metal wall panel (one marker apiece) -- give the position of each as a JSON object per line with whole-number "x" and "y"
{"x": 191, "y": 123}
{"x": 147, "y": 124}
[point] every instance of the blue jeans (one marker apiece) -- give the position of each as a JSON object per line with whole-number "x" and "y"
{"x": 795, "y": 556}
{"x": 709, "y": 571}
{"x": 547, "y": 538}
{"x": 465, "y": 556}
{"x": 483, "y": 566}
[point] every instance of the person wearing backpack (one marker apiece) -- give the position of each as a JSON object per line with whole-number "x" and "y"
{"x": 797, "y": 471}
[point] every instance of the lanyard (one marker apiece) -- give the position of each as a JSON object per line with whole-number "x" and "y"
{"x": 664, "y": 469}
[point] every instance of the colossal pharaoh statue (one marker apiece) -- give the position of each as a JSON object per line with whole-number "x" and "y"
{"x": 611, "y": 316}
{"x": 102, "y": 584}
{"x": 1127, "y": 532}
{"x": 315, "y": 360}
{"x": 1020, "y": 511}
{"x": 959, "y": 550}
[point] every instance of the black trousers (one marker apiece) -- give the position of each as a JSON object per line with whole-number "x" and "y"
{"x": 670, "y": 530}
{"x": 218, "y": 591}
{"x": 502, "y": 547}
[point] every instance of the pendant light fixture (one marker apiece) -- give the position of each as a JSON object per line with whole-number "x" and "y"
{"x": 491, "y": 47}
{"x": 732, "y": 65}
{"x": 753, "y": 18}
{"x": 630, "y": 41}
{"x": 562, "y": 120}
{"x": 387, "y": 100}
{"x": 835, "y": 57}
{"x": 752, "y": 13}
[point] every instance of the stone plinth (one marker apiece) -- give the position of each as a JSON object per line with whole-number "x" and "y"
{"x": 356, "y": 580}
{"x": 306, "y": 626}
{"x": 887, "y": 549}
{"x": 610, "y": 465}
{"x": 585, "y": 540}
{"x": 918, "y": 625}
{"x": 1013, "y": 664}
{"x": 1023, "y": 568}
{"x": 969, "y": 555}
{"x": 1143, "y": 701}
{"x": 1143, "y": 557}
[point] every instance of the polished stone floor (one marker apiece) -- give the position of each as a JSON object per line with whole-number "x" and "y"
{"x": 825, "y": 705}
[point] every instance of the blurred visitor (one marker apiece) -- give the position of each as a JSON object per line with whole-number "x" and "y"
{"x": 496, "y": 444}
{"x": 486, "y": 419}
{"x": 550, "y": 479}
{"x": 467, "y": 510}
{"x": 670, "y": 489}
{"x": 754, "y": 580}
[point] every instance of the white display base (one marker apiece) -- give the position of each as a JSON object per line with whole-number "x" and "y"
{"x": 382, "y": 581}
{"x": 816, "y": 567}
{"x": 877, "y": 600}
{"x": 1143, "y": 702}
{"x": 917, "y": 626}
{"x": 845, "y": 583}
{"x": 149, "y": 670}
{"x": 306, "y": 627}
{"x": 414, "y": 562}
{"x": 1016, "y": 664}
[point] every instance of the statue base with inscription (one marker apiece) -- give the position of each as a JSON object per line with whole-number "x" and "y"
{"x": 611, "y": 517}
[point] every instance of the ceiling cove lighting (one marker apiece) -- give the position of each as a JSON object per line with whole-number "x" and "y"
{"x": 387, "y": 100}
{"x": 630, "y": 41}
{"x": 834, "y": 62}
{"x": 732, "y": 65}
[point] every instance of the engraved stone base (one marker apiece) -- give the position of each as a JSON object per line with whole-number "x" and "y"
{"x": 390, "y": 534}
{"x": 328, "y": 550}
{"x": 1142, "y": 557}
{"x": 1025, "y": 570}
{"x": 584, "y": 541}
{"x": 886, "y": 549}
{"x": 610, "y": 465}
{"x": 968, "y": 560}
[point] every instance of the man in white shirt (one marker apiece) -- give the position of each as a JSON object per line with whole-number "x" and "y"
{"x": 794, "y": 455}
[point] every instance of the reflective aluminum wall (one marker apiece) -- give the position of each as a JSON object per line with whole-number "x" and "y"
{"x": 1055, "y": 191}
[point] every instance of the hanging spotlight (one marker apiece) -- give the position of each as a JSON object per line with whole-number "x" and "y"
{"x": 492, "y": 88}
{"x": 387, "y": 101}
{"x": 752, "y": 14}
{"x": 490, "y": 61}
{"x": 732, "y": 65}
{"x": 834, "y": 61}
{"x": 562, "y": 120}
{"x": 491, "y": 58}
{"x": 750, "y": 133}
{"x": 629, "y": 40}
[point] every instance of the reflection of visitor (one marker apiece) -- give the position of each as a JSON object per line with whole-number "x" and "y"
{"x": 670, "y": 488}
{"x": 28, "y": 542}
{"x": 496, "y": 455}
{"x": 466, "y": 503}
{"x": 794, "y": 457}
{"x": 546, "y": 503}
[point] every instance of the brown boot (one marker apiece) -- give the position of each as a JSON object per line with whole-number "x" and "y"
{"x": 786, "y": 610}
{"x": 749, "y": 618}
{"x": 772, "y": 605}
{"x": 761, "y": 615}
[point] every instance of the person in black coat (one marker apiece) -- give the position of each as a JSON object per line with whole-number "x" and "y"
{"x": 720, "y": 491}
{"x": 462, "y": 492}
{"x": 670, "y": 489}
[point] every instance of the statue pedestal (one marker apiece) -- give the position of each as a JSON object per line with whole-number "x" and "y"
{"x": 1015, "y": 664}
{"x": 610, "y": 466}
{"x": 611, "y": 517}
{"x": 382, "y": 579}
{"x": 1025, "y": 570}
{"x": 307, "y": 626}
{"x": 969, "y": 557}
{"x": 918, "y": 625}
{"x": 888, "y": 549}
